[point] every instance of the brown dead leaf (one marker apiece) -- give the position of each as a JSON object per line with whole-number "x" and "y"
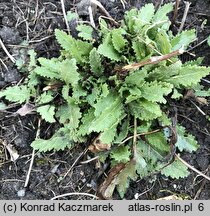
{"x": 12, "y": 151}
{"x": 189, "y": 94}
{"x": 171, "y": 197}
{"x": 202, "y": 100}
{"x": 25, "y": 109}
{"x": 52, "y": 86}
{"x": 106, "y": 189}
{"x": 98, "y": 146}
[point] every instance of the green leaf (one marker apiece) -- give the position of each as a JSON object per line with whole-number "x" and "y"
{"x": 2, "y": 106}
{"x": 188, "y": 76}
{"x": 65, "y": 92}
{"x": 107, "y": 49}
{"x": 146, "y": 14}
{"x": 150, "y": 155}
{"x": 16, "y": 93}
{"x": 94, "y": 95}
{"x": 130, "y": 19}
{"x": 59, "y": 141}
{"x": 202, "y": 93}
{"x": 121, "y": 154}
{"x": 163, "y": 42}
{"x": 208, "y": 41}
{"x": 63, "y": 114}
{"x": 47, "y": 112}
{"x": 32, "y": 62}
{"x": 163, "y": 73}
{"x": 183, "y": 39}
{"x": 85, "y": 32}
{"x": 118, "y": 40}
{"x": 104, "y": 103}
{"x": 176, "y": 94}
{"x": 185, "y": 141}
{"x": 145, "y": 110}
{"x": 136, "y": 77}
{"x": 123, "y": 131}
{"x": 175, "y": 170}
{"x": 33, "y": 80}
{"x": 124, "y": 177}
{"x": 68, "y": 72}
{"x": 66, "y": 41}
{"x": 158, "y": 142}
{"x": 108, "y": 135}
{"x": 196, "y": 62}
{"x": 162, "y": 12}
{"x": 139, "y": 49}
{"x": 155, "y": 91}
{"x": 46, "y": 72}
{"x": 45, "y": 97}
{"x": 78, "y": 93}
{"x": 86, "y": 121}
{"x": 95, "y": 62}
{"x": 107, "y": 115}
{"x": 71, "y": 16}
{"x": 133, "y": 93}
{"x": 76, "y": 48}
{"x": 74, "y": 113}
{"x": 104, "y": 30}
{"x": 142, "y": 167}
{"x": 51, "y": 64}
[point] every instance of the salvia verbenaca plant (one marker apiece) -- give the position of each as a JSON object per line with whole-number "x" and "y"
{"x": 115, "y": 86}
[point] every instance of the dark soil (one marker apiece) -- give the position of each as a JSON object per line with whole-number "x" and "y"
{"x": 34, "y": 21}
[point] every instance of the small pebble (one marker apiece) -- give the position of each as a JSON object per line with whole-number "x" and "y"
{"x": 21, "y": 193}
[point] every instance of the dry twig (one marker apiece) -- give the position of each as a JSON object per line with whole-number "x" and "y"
{"x": 175, "y": 11}
{"x": 64, "y": 15}
{"x": 74, "y": 194}
{"x": 192, "y": 168}
{"x": 187, "y": 6}
{"x": 97, "y": 3}
{"x": 32, "y": 157}
{"x": 152, "y": 60}
{"x": 6, "y": 51}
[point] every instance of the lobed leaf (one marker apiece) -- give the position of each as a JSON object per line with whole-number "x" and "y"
{"x": 146, "y": 14}
{"x": 155, "y": 91}
{"x": 68, "y": 72}
{"x": 145, "y": 110}
{"x": 112, "y": 114}
{"x": 19, "y": 94}
{"x": 185, "y": 141}
{"x": 85, "y": 32}
{"x": 107, "y": 49}
{"x": 158, "y": 142}
{"x": 47, "y": 113}
{"x": 86, "y": 122}
{"x": 139, "y": 49}
{"x": 59, "y": 141}
{"x": 130, "y": 20}
{"x": 175, "y": 170}
{"x": 46, "y": 72}
{"x": 118, "y": 41}
{"x": 188, "y": 76}
{"x": 183, "y": 39}
{"x": 163, "y": 42}
{"x": 95, "y": 62}
{"x": 162, "y": 12}
{"x": 136, "y": 77}
{"x": 121, "y": 154}
{"x": 124, "y": 177}
{"x": 76, "y": 48}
